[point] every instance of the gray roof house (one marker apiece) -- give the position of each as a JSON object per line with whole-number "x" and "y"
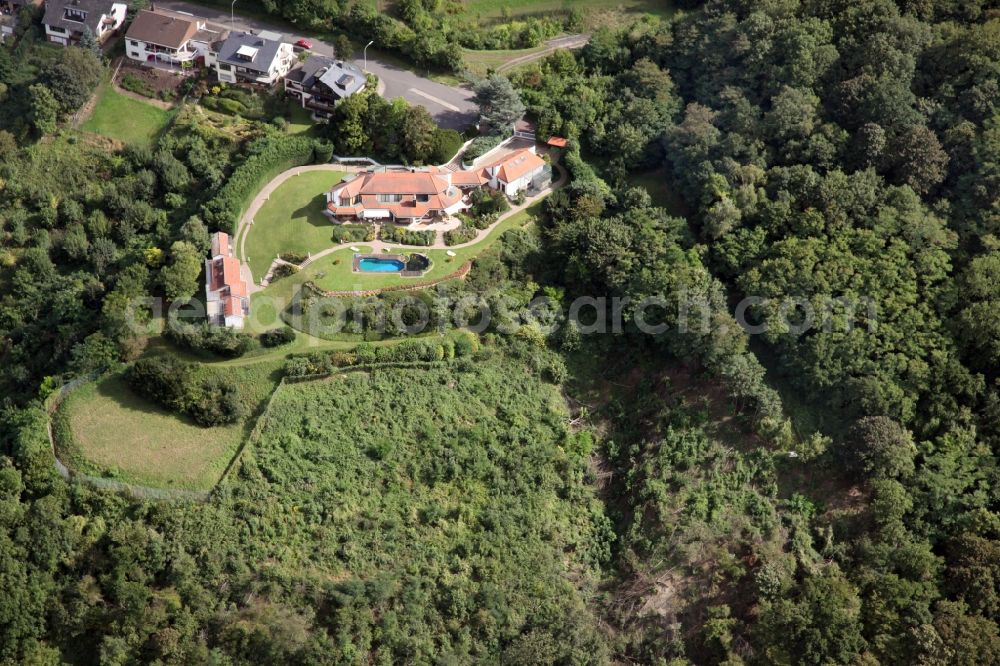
{"x": 66, "y": 21}
{"x": 245, "y": 57}
{"x": 322, "y": 81}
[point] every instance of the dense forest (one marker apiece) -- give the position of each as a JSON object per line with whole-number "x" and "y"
{"x": 703, "y": 496}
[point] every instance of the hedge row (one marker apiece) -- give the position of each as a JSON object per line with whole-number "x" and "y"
{"x": 408, "y": 351}
{"x": 267, "y": 157}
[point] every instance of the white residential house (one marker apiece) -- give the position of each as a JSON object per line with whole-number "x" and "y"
{"x": 169, "y": 37}
{"x": 66, "y": 21}
{"x": 247, "y": 58}
{"x": 227, "y": 299}
{"x": 522, "y": 170}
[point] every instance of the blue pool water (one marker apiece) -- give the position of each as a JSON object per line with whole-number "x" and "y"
{"x": 370, "y": 265}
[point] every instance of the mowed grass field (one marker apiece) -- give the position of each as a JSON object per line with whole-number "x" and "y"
{"x": 291, "y": 220}
{"x": 107, "y": 430}
{"x": 125, "y": 119}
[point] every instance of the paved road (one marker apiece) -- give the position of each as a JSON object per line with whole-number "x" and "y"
{"x": 451, "y": 107}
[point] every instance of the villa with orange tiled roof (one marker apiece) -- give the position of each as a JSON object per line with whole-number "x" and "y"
{"x": 515, "y": 172}
{"x": 227, "y": 299}
{"x": 408, "y": 195}
{"x": 403, "y": 196}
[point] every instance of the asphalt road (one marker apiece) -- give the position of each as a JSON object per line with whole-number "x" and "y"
{"x": 451, "y": 107}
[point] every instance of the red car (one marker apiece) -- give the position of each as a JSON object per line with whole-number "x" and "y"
{"x": 304, "y": 44}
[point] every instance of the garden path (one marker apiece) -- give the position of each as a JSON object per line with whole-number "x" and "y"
{"x": 376, "y": 245}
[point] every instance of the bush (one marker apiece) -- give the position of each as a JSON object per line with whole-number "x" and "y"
{"x": 134, "y": 84}
{"x": 266, "y": 158}
{"x": 283, "y": 271}
{"x": 353, "y": 233}
{"x": 218, "y": 403}
{"x": 322, "y": 151}
{"x": 394, "y": 234}
{"x": 446, "y": 144}
{"x": 277, "y": 337}
{"x": 464, "y": 234}
{"x": 174, "y": 385}
{"x": 482, "y": 145}
{"x": 293, "y": 257}
{"x": 205, "y": 337}
{"x": 164, "y": 380}
{"x": 487, "y": 206}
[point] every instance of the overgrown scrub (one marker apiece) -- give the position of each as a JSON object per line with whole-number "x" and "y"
{"x": 174, "y": 384}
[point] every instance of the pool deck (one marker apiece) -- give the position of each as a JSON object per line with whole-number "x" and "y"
{"x": 401, "y": 258}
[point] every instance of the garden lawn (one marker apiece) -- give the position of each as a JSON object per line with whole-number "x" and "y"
{"x": 334, "y": 272}
{"x": 125, "y": 119}
{"x": 291, "y": 220}
{"x": 104, "y": 429}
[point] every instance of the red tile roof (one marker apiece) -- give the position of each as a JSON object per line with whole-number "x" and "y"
{"x": 517, "y": 165}
{"x": 232, "y": 306}
{"x": 556, "y": 142}
{"x": 468, "y": 178}
{"x": 220, "y": 243}
{"x": 427, "y": 184}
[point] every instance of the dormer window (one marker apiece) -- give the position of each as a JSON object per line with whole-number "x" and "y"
{"x": 74, "y": 14}
{"x": 246, "y": 53}
{"x": 423, "y": 198}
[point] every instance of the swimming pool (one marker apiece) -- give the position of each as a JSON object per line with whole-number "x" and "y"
{"x": 378, "y": 265}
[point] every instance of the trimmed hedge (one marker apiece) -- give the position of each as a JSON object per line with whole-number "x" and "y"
{"x": 353, "y": 233}
{"x": 409, "y": 351}
{"x": 266, "y": 158}
{"x": 393, "y": 234}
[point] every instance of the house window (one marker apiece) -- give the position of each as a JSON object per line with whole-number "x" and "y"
{"x": 77, "y": 15}
{"x": 55, "y": 28}
{"x": 423, "y": 198}
{"x": 389, "y": 198}
{"x": 133, "y": 43}
{"x": 225, "y": 68}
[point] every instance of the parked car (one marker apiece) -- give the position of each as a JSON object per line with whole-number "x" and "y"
{"x": 304, "y": 44}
